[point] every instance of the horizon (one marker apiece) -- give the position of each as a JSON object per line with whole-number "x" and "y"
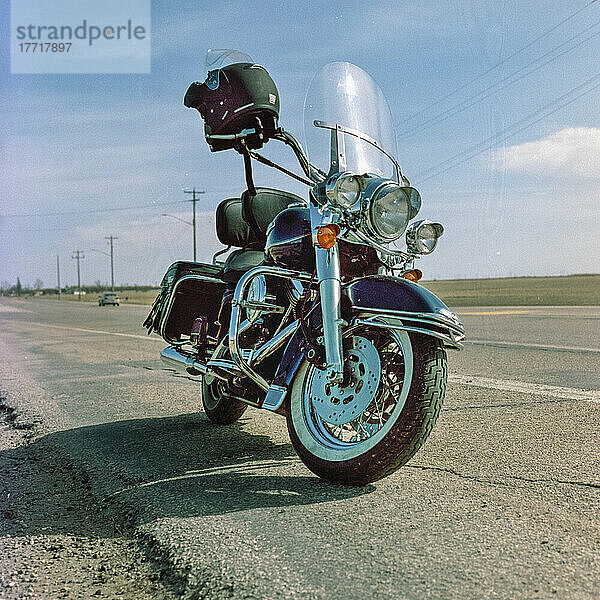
{"x": 140, "y": 286}
{"x": 496, "y": 108}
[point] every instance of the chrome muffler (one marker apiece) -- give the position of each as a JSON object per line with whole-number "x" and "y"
{"x": 174, "y": 359}
{"x": 221, "y": 369}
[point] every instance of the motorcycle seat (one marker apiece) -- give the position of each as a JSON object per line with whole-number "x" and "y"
{"x": 231, "y": 228}
{"x": 240, "y": 261}
{"x": 259, "y": 210}
{"x": 241, "y": 222}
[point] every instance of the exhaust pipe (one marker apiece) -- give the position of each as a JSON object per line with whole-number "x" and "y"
{"x": 175, "y": 360}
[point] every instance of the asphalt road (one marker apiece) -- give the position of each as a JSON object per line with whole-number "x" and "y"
{"x": 501, "y": 502}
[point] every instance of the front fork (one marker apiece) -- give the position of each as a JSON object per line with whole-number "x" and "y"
{"x": 330, "y": 289}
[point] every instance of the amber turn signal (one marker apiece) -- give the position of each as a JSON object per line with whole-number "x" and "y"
{"x": 413, "y": 275}
{"x": 327, "y": 235}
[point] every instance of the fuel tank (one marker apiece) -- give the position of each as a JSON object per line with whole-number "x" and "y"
{"x": 289, "y": 240}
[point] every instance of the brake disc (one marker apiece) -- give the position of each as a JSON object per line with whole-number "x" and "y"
{"x": 338, "y": 404}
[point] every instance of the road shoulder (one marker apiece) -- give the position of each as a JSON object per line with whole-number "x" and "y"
{"x": 56, "y": 540}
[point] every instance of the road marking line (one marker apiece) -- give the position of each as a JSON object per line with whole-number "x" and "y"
{"x": 522, "y": 387}
{"x": 97, "y": 331}
{"x": 475, "y": 342}
{"x": 528, "y": 345}
{"x": 5, "y": 308}
{"x": 497, "y": 312}
{"x": 495, "y": 384}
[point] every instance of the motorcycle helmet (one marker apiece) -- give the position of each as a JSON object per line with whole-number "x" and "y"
{"x": 235, "y": 97}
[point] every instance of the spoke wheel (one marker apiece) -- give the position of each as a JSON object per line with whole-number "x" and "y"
{"x": 354, "y": 438}
{"x": 346, "y": 416}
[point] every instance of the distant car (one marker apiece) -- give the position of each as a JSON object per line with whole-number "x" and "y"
{"x": 108, "y": 298}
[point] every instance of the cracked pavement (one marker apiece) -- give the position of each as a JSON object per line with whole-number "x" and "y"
{"x": 501, "y": 502}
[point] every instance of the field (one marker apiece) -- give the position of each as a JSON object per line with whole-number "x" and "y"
{"x": 568, "y": 290}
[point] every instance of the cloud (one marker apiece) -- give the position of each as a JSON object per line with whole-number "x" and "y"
{"x": 573, "y": 151}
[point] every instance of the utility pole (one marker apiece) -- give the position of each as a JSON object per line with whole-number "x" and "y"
{"x": 112, "y": 268}
{"x": 58, "y": 275}
{"x": 193, "y": 191}
{"x": 78, "y": 254}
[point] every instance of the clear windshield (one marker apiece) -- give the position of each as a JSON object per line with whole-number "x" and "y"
{"x": 343, "y": 94}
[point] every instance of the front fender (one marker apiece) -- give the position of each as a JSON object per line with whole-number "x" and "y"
{"x": 378, "y": 301}
{"x": 380, "y": 292}
{"x": 402, "y": 304}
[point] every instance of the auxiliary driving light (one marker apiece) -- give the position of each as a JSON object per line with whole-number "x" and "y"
{"x": 422, "y": 236}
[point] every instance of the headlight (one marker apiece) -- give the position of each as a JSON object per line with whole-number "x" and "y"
{"x": 390, "y": 210}
{"x": 344, "y": 189}
{"x": 422, "y": 236}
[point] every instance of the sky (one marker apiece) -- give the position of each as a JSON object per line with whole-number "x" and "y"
{"x": 496, "y": 108}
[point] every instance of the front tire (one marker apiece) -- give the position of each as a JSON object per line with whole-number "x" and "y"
{"x": 386, "y": 433}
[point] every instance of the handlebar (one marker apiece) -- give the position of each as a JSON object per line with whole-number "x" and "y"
{"x": 313, "y": 173}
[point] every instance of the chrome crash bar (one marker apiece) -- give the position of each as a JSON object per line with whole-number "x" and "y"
{"x": 238, "y": 304}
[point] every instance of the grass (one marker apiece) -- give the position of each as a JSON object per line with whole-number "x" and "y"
{"x": 580, "y": 290}
{"x": 567, "y": 290}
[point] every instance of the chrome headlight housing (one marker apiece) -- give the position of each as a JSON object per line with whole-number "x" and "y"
{"x": 422, "y": 236}
{"x": 344, "y": 189}
{"x": 390, "y": 209}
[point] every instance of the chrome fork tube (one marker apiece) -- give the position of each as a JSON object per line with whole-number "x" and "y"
{"x": 328, "y": 272}
{"x": 330, "y": 289}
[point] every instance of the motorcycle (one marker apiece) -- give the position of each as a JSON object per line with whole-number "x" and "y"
{"x": 317, "y": 314}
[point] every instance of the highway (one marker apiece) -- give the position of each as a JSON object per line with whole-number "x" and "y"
{"x": 503, "y": 501}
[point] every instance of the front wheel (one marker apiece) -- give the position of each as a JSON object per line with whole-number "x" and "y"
{"x": 373, "y": 423}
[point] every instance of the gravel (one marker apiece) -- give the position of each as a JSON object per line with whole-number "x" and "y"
{"x": 56, "y": 540}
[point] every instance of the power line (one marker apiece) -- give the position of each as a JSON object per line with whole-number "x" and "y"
{"x": 42, "y": 230}
{"x": 494, "y": 138}
{"x": 223, "y": 191}
{"x": 496, "y": 87}
{"x": 89, "y": 211}
{"x": 128, "y": 225}
{"x": 498, "y": 64}
{"x": 491, "y": 141}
